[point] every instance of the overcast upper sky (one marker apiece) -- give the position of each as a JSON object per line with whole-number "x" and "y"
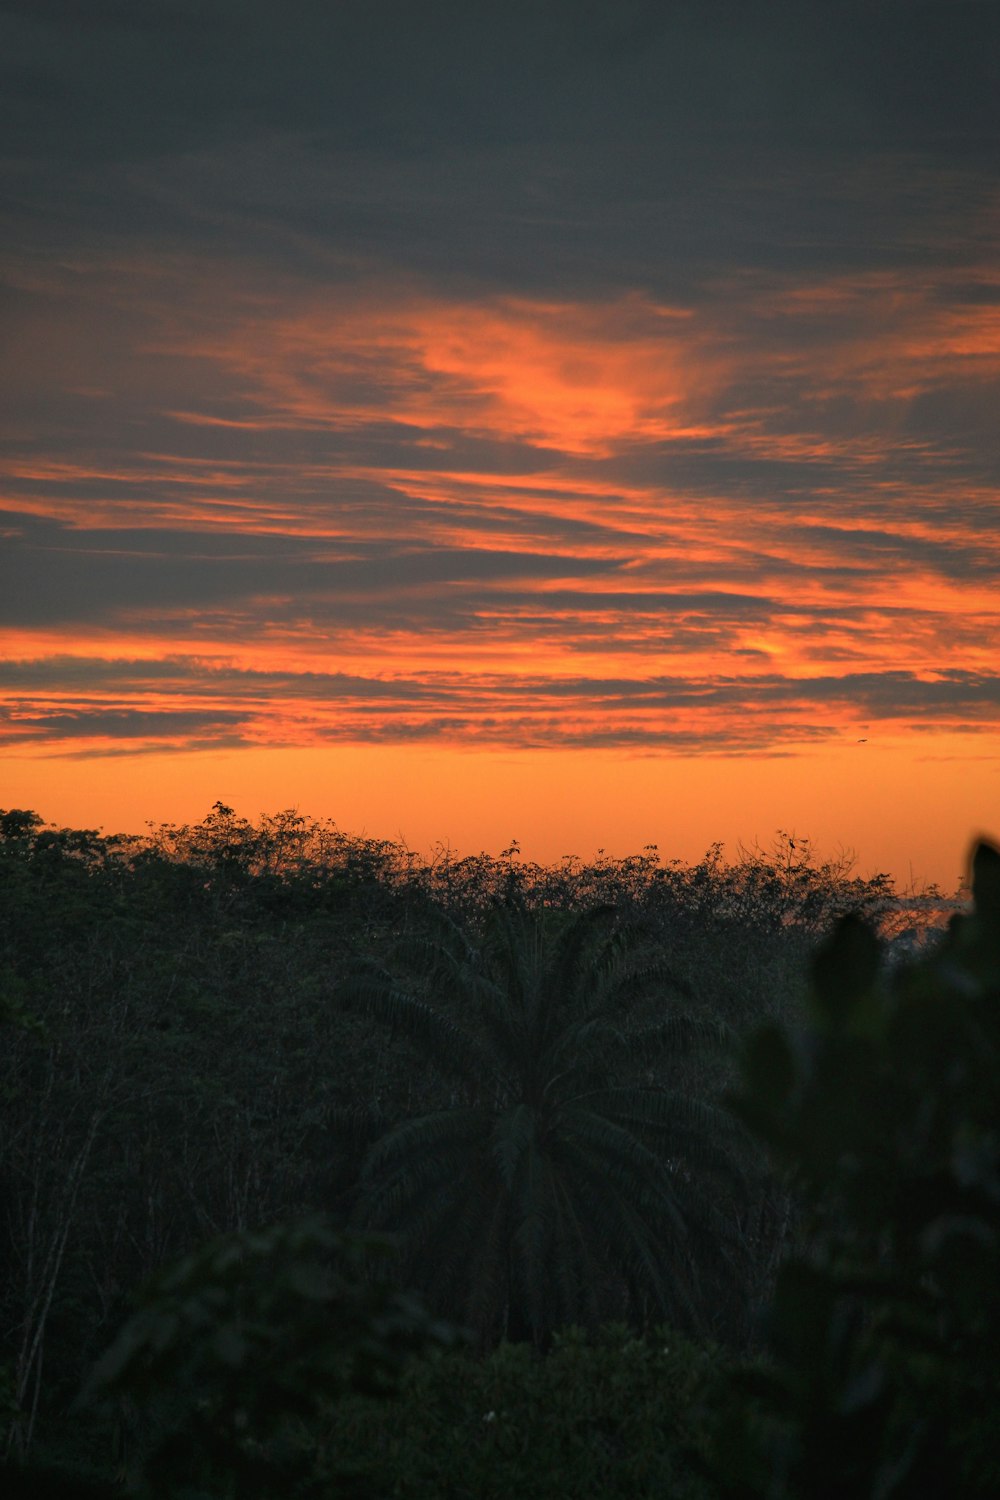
{"x": 585, "y": 374}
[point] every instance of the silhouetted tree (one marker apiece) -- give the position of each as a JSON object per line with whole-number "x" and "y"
{"x": 556, "y": 1188}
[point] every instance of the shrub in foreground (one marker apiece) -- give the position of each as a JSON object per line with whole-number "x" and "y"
{"x": 885, "y": 1328}
{"x": 599, "y": 1416}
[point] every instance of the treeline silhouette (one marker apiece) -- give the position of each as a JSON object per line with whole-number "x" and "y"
{"x": 328, "y": 1169}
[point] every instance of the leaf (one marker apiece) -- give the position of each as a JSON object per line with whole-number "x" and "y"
{"x": 986, "y": 883}
{"x": 453, "y": 1049}
{"x": 845, "y": 970}
{"x": 768, "y": 1067}
{"x": 513, "y": 1134}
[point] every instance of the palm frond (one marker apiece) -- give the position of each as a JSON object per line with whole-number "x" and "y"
{"x": 486, "y": 1271}
{"x": 679, "y": 1035}
{"x": 681, "y": 1130}
{"x": 429, "y": 1207}
{"x": 627, "y": 1161}
{"x": 622, "y": 976}
{"x": 424, "y": 1137}
{"x": 627, "y": 1238}
{"x": 532, "y": 1235}
{"x": 513, "y": 952}
{"x": 571, "y": 963}
{"x": 450, "y": 1046}
{"x": 668, "y": 1109}
{"x": 414, "y": 1159}
{"x": 466, "y": 1249}
{"x": 453, "y": 966}
{"x": 575, "y": 1277}
{"x": 507, "y": 1030}
{"x": 391, "y": 1202}
{"x": 513, "y": 1134}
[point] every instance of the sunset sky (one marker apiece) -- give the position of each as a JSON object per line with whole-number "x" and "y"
{"x": 576, "y": 421}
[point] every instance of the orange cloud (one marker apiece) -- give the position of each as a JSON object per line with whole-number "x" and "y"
{"x": 516, "y": 522}
{"x": 576, "y": 378}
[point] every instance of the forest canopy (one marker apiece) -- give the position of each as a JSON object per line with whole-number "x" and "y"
{"x": 517, "y": 1073}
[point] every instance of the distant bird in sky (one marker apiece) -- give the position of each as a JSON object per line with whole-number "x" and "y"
{"x": 862, "y": 742}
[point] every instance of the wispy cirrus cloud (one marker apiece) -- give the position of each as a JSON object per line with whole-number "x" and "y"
{"x": 185, "y": 701}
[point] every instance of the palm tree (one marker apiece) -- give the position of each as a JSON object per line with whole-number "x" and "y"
{"x": 556, "y": 1188}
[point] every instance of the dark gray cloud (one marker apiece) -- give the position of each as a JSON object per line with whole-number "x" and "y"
{"x": 123, "y": 723}
{"x": 380, "y": 74}
{"x": 58, "y": 576}
{"x": 192, "y": 676}
{"x": 872, "y": 547}
{"x": 224, "y": 704}
{"x": 563, "y": 143}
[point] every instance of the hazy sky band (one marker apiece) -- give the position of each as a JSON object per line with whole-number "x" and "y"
{"x": 530, "y": 375}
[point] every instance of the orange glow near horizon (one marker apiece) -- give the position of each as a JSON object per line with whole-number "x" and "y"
{"x": 558, "y": 803}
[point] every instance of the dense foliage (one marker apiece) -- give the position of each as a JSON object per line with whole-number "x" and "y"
{"x": 566, "y": 1181}
{"x": 600, "y": 1417}
{"x": 884, "y": 1107}
{"x": 181, "y": 1062}
{"x": 238, "y": 1345}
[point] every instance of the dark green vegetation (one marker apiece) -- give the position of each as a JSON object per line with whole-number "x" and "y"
{"x": 232, "y": 1051}
{"x": 601, "y": 1417}
{"x": 556, "y": 1188}
{"x": 885, "y": 1323}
